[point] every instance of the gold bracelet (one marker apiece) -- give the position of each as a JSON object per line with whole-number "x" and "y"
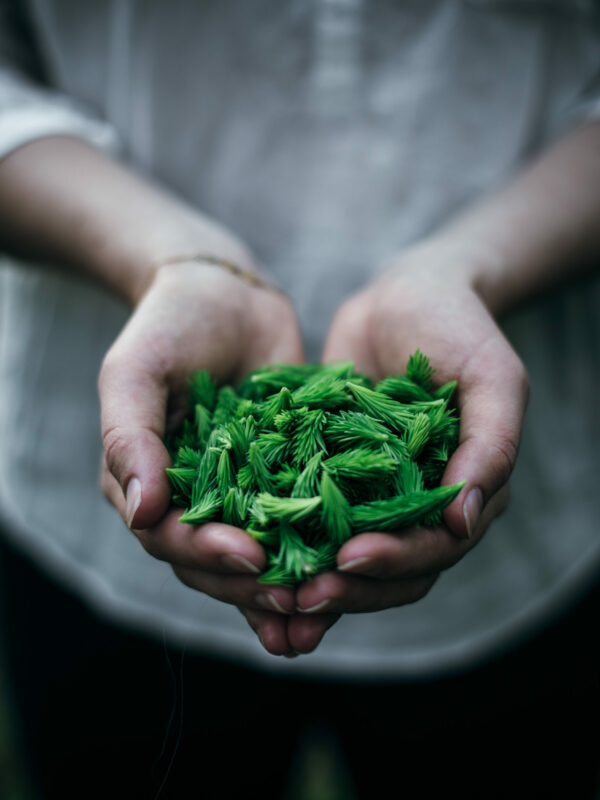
{"x": 245, "y": 274}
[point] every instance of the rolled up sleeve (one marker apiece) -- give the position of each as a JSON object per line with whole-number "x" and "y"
{"x": 28, "y": 109}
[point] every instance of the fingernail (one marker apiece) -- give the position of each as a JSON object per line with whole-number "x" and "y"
{"x": 293, "y": 654}
{"x": 356, "y": 562}
{"x": 313, "y": 609}
{"x": 133, "y": 498}
{"x": 270, "y": 603}
{"x": 239, "y": 563}
{"x": 472, "y": 509}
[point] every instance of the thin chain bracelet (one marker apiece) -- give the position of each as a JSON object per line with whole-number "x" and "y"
{"x": 245, "y": 274}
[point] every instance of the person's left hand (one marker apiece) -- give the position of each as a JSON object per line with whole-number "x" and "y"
{"x": 422, "y": 303}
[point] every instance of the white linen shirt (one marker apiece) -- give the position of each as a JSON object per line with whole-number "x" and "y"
{"x": 329, "y": 134}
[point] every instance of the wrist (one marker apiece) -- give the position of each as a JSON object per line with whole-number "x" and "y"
{"x": 450, "y": 260}
{"x": 475, "y": 262}
{"x": 157, "y": 244}
{"x": 63, "y": 200}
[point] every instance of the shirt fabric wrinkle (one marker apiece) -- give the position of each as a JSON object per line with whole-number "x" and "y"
{"x": 329, "y": 136}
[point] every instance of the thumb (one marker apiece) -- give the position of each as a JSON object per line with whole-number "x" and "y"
{"x": 492, "y": 407}
{"x": 348, "y": 338}
{"x": 133, "y": 410}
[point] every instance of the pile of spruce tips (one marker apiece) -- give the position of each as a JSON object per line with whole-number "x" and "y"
{"x": 303, "y": 457}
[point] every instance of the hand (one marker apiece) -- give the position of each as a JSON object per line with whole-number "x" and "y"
{"x": 426, "y": 301}
{"x": 191, "y": 317}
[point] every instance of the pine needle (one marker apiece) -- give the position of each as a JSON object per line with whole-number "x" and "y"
{"x": 205, "y": 510}
{"x": 203, "y": 390}
{"x": 285, "y": 479}
{"x": 420, "y": 371}
{"x": 182, "y": 479}
{"x": 308, "y": 437}
{"x": 355, "y": 429}
{"x": 402, "y": 511}
{"x": 188, "y": 457}
{"x": 305, "y": 456}
{"x": 269, "y": 508}
{"x": 260, "y": 471}
{"x": 417, "y": 434}
{"x": 360, "y": 465}
{"x": 381, "y": 407}
{"x": 307, "y": 483}
{"x": 226, "y": 406}
{"x": 402, "y": 389}
{"x": 225, "y": 474}
{"x": 323, "y": 393}
{"x": 335, "y": 512}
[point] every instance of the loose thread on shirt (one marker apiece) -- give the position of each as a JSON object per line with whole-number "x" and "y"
{"x": 177, "y": 687}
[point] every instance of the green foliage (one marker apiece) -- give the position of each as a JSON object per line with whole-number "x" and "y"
{"x": 203, "y": 390}
{"x": 417, "y": 434}
{"x": 296, "y": 560}
{"x": 202, "y": 423}
{"x": 182, "y": 479}
{"x": 402, "y": 389}
{"x": 401, "y": 512}
{"x": 307, "y": 483}
{"x": 285, "y": 479}
{"x": 379, "y": 406}
{"x": 305, "y": 456}
{"x": 419, "y": 371}
{"x": 352, "y": 429}
{"x": 227, "y": 403}
{"x": 360, "y": 465}
{"x": 308, "y": 436}
{"x": 236, "y": 505}
{"x": 205, "y": 510}
{"x": 336, "y": 511}
{"x": 263, "y": 480}
{"x": 270, "y": 508}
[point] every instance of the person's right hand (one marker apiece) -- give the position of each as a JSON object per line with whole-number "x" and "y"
{"x": 193, "y": 316}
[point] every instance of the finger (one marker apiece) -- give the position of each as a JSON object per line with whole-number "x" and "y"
{"x": 271, "y": 312}
{"x": 305, "y": 632}
{"x": 238, "y": 590}
{"x": 414, "y": 553}
{"x": 215, "y": 558}
{"x": 348, "y": 340}
{"x": 133, "y": 411}
{"x": 214, "y": 546}
{"x": 271, "y": 630}
{"x": 335, "y": 592}
{"x": 215, "y": 549}
{"x": 493, "y": 394}
{"x": 409, "y": 554}
{"x": 111, "y": 488}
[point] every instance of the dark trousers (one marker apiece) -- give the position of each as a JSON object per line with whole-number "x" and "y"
{"x": 107, "y": 714}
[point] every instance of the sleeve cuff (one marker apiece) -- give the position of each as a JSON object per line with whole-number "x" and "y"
{"x": 24, "y": 125}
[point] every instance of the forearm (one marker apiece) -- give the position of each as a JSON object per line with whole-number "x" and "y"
{"x": 541, "y": 229}
{"x": 63, "y": 200}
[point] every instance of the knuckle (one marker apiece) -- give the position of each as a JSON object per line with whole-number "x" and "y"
{"x": 504, "y": 498}
{"x": 250, "y": 618}
{"x": 503, "y": 453}
{"x": 338, "y": 593}
{"x": 114, "y": 442}
{"x": 152, "y": 546}
{"x": 420, "y": 589}
{"x": 186, "y": 576}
